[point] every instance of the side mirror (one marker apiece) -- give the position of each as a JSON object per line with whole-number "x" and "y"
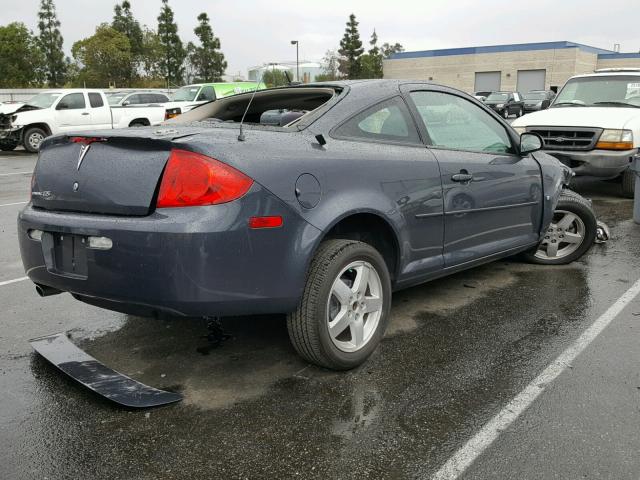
{"x": 530, "y": 142}
{"x": 125, "y": 103}
{"x": 62, "y": 106}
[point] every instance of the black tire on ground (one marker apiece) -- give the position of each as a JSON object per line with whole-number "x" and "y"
{"x": 308, "y": 325}
{"x": 8, "y": 147}
{"x": 628, "y": 183}
{"x": 29, "y": 136}
{"x": 139, "y": 123}
{"x": 505, "y": 114}
{"x": 574, "y": 203}
{"x": 520, "y": 112}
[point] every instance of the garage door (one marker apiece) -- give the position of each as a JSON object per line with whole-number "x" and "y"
{"x": 531, "y": 80}
{"x": 487, "y": 82}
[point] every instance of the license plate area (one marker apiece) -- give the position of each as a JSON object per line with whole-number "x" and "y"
{"x": 65, "y": 254}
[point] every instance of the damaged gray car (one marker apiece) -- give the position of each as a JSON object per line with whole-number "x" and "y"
{"x": 328, "y": 198}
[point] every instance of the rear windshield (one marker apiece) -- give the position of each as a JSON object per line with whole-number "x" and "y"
{"x": 115, "y": 98}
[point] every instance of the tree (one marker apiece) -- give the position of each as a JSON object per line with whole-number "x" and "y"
{"x": 104, "y": 58}
{"x": 388, "y": 50}
{"x": 373, "y": 62}
{"x": 152, "y": 54}
{"x": 20, "y": 57}
{"x": 51, "y": 43}
{"x": 207, "y": 60}
{"x": 275, "y": 77}
{"x": 330, "y": 65}
{"x": 173, "y": 52}
{"x": 351, "y": 49}
{"x": 124, "y": 22}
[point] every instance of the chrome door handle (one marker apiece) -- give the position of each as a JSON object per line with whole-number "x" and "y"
{"x": 462, "y": 177}
{"x": 85, "y": 113}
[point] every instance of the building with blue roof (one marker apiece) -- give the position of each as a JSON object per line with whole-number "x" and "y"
{"x": 517, "y": 67}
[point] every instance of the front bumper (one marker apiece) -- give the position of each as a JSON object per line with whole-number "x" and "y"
{"x": 596, "y": 163}
{"x": 196, "y": 261}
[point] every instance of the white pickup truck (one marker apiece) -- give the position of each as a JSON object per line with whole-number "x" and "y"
{"x": 593, "y": 125}
{"x": 69, "y": 110}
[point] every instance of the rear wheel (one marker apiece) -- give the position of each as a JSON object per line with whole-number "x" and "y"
{"x": 33, "y": 137}
{"x": 520, "y": 112}
{"x": 570, "y": 234}
{"x": 345, "y": 305}
{"x": 628, "y": 183}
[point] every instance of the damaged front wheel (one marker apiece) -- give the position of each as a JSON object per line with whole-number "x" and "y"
{"x": 570, "y": 234}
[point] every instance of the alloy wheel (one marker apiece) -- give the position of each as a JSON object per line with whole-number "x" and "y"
{"x": 354, "y": 306}
{"x": 35, "y": 139}
{"x": 564, "y": 236}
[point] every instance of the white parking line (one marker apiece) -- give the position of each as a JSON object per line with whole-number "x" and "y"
{"x": 14, "y": 203}
{"x": 15, "y": 280}
{"x": 15, "y": 173}
{"x": 463, "y": 458}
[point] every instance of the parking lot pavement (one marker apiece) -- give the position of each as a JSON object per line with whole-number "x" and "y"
{"x": 457, "y": 351}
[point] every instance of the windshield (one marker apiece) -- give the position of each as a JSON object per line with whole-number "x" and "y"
{"x": 534, "y": 96}
{"x": 115, "y": 98}
{"x": 185, "y": 94}
{"x": 614, "y": 90}
{"x": 498, "y": 96}
{"x": 43, "y": 100}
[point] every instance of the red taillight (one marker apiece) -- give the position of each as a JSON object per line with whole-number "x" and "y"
{"x": 265, "y": 222}
{"x": 86, "y": 140}
{"x": 192, "y": 179}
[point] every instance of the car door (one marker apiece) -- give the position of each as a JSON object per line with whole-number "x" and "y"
{"x": 100, "y": 112}
{"x": 72, "y": 113}
{"x": 383, "y": 140}
{"x": 492, "y": 195}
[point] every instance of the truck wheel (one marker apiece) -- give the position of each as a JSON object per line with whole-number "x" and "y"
{"x": 8, "y": 147}
{"x": 520, "y": 112}
{"x": 505, "y": 114}
{"x": 570, "y": 234}
{"x": 345, "y": 305}
{"x": 33, "y": 137}
{"x": 139, "y": 123}
{"x": 628, "y": 183}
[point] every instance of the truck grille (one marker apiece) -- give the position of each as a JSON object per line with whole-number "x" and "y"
{"x": 567, "y": 138}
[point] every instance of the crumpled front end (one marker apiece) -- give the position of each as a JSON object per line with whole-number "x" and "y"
{"x": 555, "y": 177}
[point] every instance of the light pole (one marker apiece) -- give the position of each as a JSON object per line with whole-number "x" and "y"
{"x": 295, "y": 42}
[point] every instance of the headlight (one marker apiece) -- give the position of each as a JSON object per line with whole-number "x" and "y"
{"x": 500, "y": 105}
{"x": 520, "y": 130}
{"x": 539, "y": 104}
{"x": 611, "y": 139}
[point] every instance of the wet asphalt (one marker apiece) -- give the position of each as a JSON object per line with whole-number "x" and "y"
{"x": 457, "y": 350}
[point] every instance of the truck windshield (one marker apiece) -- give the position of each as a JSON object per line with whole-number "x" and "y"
{"x": 611, "y": 90}
{"x": 115, "y": 98}
{"x": 185, "y": 94}
{"x": 43, "y": 100}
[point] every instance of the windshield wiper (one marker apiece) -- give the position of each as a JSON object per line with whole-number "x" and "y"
{"x": 621, "y": 104}
{"x": 569, "y": 103}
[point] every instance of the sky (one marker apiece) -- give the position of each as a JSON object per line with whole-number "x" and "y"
{"x": 255, "y": 32}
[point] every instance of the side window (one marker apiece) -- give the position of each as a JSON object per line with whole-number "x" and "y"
{"x": 73, "y": 101}
{"x": 207, "y": 93}
{"x": 135, "y": 99}
{"x": 455, "y": 123}
{"x": 388, "y": 120}
{"x": 95, "y": 100}
{"x": 147, "y": 98}
{"x": 158, "y": 98}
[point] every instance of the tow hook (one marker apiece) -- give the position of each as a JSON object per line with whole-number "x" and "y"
{"x": 602, "y": 232}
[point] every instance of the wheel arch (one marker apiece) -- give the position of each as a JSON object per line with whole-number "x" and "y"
{"x": 44, "y": 126}
{"x": 368, "y": 226}
{"x": 140, "y": 121}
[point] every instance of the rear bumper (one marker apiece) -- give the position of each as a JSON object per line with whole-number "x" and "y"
{"x": 596, "y": 163}
{"x": 193, "y": 261}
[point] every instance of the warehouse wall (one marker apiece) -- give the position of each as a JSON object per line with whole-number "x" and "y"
{"x": 459, "y": 71}
{"x": 619, "y": 62}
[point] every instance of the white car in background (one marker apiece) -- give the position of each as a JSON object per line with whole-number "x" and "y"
{"x": 593, "y": 125}
{"x": 69, "y": 110}
{"x": 126, "y": 98}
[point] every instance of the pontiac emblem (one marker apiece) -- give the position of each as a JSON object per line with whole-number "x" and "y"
{"x": 83, "y": 152}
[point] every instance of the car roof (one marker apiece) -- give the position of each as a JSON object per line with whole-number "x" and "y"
{"x": 618, "y": 73}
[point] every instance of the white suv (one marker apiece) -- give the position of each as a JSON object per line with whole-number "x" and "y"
{"x": 593, "y": 125}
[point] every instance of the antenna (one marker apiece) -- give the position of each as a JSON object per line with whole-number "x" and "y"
{"x": 241, "y": 137}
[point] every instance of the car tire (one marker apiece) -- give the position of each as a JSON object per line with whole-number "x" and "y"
{"x": 8, "y": 147}
{"x": 327, "y": 330}
{"x": 520, "y": 112}
{"x": 33, "y": 137}
{"x": 570, "y": 234}
{"x": 505, "y": 114}
{"x": 628, "y": 183}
